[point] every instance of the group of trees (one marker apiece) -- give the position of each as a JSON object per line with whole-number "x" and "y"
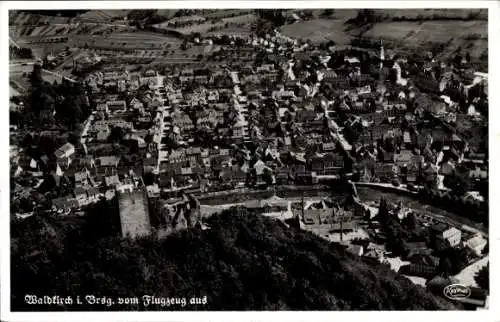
{"x": 398, "y": 234}
{"x": 20, "y": 52}
{"x": 145, "y": 16}
{"x": 451, "y": 260}
{"x": 65, "y": 105}
{"x": 482, "y": 277}
{"x": 249, "y": 263}
{"x": 476, "y": 211}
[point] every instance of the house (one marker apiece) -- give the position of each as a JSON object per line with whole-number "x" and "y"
{"x": 136, "y": 104}
{"x": 81, "y": 178}
{"x": 261, "y": 169}
{"x": 343, "y": 227}
{"x": 233, "y": 175}
{"x": 386, "y": 156}
{"x": 443, "y": 236}
{"x": 476, "y": 243}
{"x": 112, "y": 181}
{"x": 416, "y": 249}
{"x": 420, "y": 270}
{"x": 403, "y": 158}
{"x": 102, "y": 136}
{"x": 317, "y": 216}
{"x": 447, "y": 168}
{"x": 374, "y": 253}
{"x": 108, "y": 162}
{"x": 64, "y": 204}
{"x": 166, "y": 180}
{"x": 355, "y": 250}
{"x": 116, "y": 106}
{"x": 150, "y": 164}
{"x": 93, "y": 194}
{"x": 80, "y": 196}
{"x": 64, "y": 153}
{"x": 328, "y": 146}
{"x": 283, "y": 176}
{"x": 478, "y": 173}
{"x": 385, "y": 171}
{"x": 328, "y": 164}
{"x": 220, "y": 161}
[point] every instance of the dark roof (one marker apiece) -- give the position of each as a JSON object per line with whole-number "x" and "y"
{"x": 79, "y": 191}
{"x": 440, "y": 227}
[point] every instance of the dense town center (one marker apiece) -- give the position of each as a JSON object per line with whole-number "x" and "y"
{"x": 377, "y": 148}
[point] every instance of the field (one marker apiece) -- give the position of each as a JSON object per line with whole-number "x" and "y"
{"x": 430, "y": 13}
{"x": 218, "y": 14}
{"x": 136, "y": 43}
{"x": 469, "y": 35}
{"x": 19, "y": 18}
{"x": 39, "y": 33}
{"x": 318, "y": 30}
{"x": 104, "y": 15}
{"x": 231, "y": 31}
{"x": 13, "y": 92}
{"x": 140, "y": 40}
{"x": 241, "y": 21}
{"x": 436, "y": 31}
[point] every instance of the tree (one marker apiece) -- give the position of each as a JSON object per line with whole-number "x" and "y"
{"x": 453, "y": 259}
{"x": 116, "y": 135}
{"x": 327, "y": 12}
{"x": 238, "y": 249}
{"x": 149, "y": 178}
{"x": 383, "y": 210}
{"x": 268, "y": 176}
{"x": 482, "y": 277}
{"x": 36, "y": 76}
{"x": 457, "y": 183}
{"x": 410, "y": 221}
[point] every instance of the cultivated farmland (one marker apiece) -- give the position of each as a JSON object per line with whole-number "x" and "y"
{"x": 202, "y": 28}
{"x": 129, "y": 41}
{"x": 318, "y": 30}
{"x": 103, "y": 15}
{"x": 471, "y": 36}
{"x": 437, "y": 31}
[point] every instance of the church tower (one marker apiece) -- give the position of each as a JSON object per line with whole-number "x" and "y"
{"x": 382, "y": 55}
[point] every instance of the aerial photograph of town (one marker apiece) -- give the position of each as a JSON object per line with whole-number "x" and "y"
{"x": 248, "y": 159}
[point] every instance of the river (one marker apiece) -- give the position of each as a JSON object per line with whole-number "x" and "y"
{"x": 366, "y": 194}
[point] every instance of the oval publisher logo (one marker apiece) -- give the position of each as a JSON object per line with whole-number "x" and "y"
{"x": 456, "y": 291}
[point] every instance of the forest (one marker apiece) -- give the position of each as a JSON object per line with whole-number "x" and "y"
{"x": 242, "y": 262}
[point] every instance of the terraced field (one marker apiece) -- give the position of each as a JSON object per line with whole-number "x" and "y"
{"x": 203, "y": 28}
{"x": 131, "y": 41}
{"x": 103, "y": 15}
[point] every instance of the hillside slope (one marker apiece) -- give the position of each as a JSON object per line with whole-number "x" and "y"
{"x": 244, "y": 262}
{"x": 445, "y": 31}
